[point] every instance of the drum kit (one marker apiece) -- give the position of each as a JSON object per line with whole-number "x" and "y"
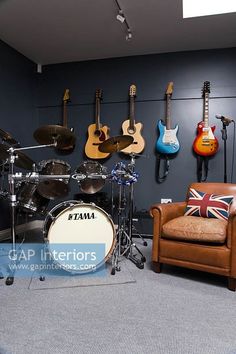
{"x": 48, "y": 180}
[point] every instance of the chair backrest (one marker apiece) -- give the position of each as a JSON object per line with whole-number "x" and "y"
{"x": 217, "y": 188}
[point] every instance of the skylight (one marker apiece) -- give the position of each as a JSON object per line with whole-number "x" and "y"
{"x": 195, "y": 8}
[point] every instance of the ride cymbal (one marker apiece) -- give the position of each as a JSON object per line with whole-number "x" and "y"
{"x": 49, "y": 134}
{"x": 7, "y": 137}
{"x": 21, "y": 160}
{"x": 116, "y": 143}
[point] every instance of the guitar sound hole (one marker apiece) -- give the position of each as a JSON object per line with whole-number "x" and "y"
{"x": 97, "y": 132}
{"x": 131, "y": 130}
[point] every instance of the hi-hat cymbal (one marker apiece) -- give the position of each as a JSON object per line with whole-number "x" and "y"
{"x": 7, "y": 137}
{"x": 49, "y": 134}
{"x": 21, "y": 161}
{"x": 116, "y": 143}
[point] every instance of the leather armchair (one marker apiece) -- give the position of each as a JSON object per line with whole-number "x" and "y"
{"x": 212, "y": 257}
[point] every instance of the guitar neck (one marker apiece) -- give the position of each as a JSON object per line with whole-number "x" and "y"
{"x": 131, "y": 113}
{"x": 97, "y": 114}
{"x": 65, "y": 120}
{"x": 206, "y": 110}
{"x": 168, "y": 112}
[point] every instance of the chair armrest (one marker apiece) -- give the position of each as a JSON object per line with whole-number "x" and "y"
{"x": 162, "y": 213}
{"x": 167, "y": 211}
{"x": 231, "y": 242}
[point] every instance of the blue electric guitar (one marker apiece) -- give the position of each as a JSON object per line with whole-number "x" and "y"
{"x": 167, "y": 143}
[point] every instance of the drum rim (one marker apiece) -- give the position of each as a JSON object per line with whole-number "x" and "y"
{"x": 43, "y": 163}
{"x": 80, "y": 203}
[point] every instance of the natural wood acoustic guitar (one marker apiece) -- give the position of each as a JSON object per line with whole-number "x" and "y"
{"x": 97, "y": 133}
{"x": 129, "y": 127}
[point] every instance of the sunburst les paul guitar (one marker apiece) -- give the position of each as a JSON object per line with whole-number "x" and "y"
{"x": 167, "y": 143}
{"x": 129, "y": 127}
{"x": 205, "y": 143}
{"x": 97, "y": 133}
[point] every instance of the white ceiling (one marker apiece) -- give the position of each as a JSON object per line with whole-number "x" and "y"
{"x": 56, "y": 31}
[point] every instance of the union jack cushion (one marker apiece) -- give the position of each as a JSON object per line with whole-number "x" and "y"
{"x": 208, "y": 205}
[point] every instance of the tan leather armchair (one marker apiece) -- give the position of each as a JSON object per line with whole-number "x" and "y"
{"x": 212, "y": 257}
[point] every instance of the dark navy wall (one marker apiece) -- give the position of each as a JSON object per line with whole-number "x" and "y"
{"x": 29, "y": 100}
{"x": 17, "y": 102}
{"x": 151, "y": 74}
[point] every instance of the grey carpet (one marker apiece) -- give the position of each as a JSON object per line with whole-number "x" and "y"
{"x": 175, "y": 312}
{"x": 100, "y": 278}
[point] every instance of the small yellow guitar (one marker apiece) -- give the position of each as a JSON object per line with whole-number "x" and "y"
{"x": 129, "y": 127}
{"x": 97, "y": 133}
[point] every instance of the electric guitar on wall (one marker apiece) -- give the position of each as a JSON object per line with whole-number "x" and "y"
{"x": 129, "y": 127}
{"x": 205, "y": 143}
{"x": 97, "y": 133}
{"x": 167, "y": 143}
{"x": 66, "y": 99}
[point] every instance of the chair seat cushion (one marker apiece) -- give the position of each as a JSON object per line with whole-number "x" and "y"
{"x": 193, "y": 228}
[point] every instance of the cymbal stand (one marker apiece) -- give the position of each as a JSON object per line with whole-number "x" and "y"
{"x": 13, "y": 204}
{"x": 138, "y": 262}
{"x": 12, "y": 198}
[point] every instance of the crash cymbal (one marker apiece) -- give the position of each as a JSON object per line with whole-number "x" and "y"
{"x": 21, "y": 161}
{"x": 48, "y": 134}
{"x": 116, "y": 143}
{"x": 7, "y": 137}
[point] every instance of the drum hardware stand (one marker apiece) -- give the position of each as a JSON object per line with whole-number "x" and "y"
{"x": 13, "y": 202}
{"x": 123, "y": 240}
{"x": 125, "y": 245}
{"x": 131, "y": 256}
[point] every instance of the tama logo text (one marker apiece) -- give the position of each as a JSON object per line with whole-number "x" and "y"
{"x": 81, "y": 216}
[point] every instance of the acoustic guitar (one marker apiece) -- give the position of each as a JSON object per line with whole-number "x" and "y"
{"x": 167, "y": 143}
{"x": 129, "y": 127}
{"x": 205, "y": 143}
{"x": 97, "y": 133}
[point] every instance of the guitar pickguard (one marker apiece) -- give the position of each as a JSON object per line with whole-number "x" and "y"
{"x": 167, "y": 142}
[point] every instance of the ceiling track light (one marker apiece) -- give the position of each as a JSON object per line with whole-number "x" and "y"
{"x": 123, "y": 19}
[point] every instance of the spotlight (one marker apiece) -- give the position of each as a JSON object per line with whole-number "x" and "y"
{"x": 129, "y": 35}
{"x": 123, "y": 19}
{"x": 120, "y": 17}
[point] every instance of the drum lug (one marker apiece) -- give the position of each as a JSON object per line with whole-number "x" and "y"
{"x": 80, "y": 201}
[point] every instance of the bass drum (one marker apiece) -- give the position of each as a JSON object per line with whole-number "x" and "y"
{"x": 74, "y": 228}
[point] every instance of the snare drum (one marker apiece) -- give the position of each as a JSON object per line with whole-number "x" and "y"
{"x": 30, "y": 201}
{"x": 95, "y": 176}
{"x": 54, "y": 188}
{"x": 78, "y": 224}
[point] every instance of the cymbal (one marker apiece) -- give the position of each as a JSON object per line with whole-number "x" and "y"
{"x": 7, "y": 137}
{"x": 48, "y": 134}
{"x": 21, "y": 161}
{"x": 116, "y": 143}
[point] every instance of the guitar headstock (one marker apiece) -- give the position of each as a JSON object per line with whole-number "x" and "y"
{"x": 132, "y": 91}
{"x": 66, "y": 96}
{"x": 99, "y": 94}
{"x": 206, "y": 87}
{"x": 169, "y": 89}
